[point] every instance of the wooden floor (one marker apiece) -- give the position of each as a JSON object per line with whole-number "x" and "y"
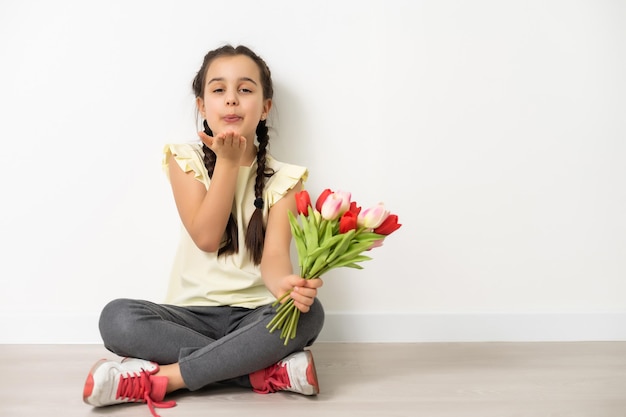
{"x": 377, "y": 380}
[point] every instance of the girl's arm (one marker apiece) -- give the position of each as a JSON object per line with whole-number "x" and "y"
{"x": 205, "y": 213}
{"x": 276, "y": 267}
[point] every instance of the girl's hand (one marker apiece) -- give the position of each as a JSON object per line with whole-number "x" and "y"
{"x": 227, "y": 145}
{"x": 303, "y": 291}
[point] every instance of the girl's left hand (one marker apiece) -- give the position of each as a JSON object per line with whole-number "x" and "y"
{"x": 303, "y": 291}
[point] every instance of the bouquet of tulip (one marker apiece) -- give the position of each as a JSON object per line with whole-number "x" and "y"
{"x": 330, "y": 235}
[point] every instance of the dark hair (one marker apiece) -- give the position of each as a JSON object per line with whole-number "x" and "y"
{"x": 255, "y": 233}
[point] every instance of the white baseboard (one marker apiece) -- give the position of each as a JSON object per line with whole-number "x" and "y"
{"x": 366, "y": 328}
{"x": 57, "y": 328}
{"x": 478, "y": 327}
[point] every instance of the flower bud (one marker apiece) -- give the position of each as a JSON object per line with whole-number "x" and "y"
{"x": 354, "y": 209}
{"x": 389, "y": 226}
{"x": 303, "y": 202}
{"x": 331, "y": 209}
{"x": 373, "y": 217}
{"x": 322, "y": 198}
{"x": 347, "y": 222}
{"x": 345, "y": 200}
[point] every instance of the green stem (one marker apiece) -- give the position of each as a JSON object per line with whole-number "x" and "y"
{"x": 295, "y": 320}
{"x": 287, "y": 315}
{"x": 289, "y": 332}
{"x": 285, "y": 295}
{"x": 282, "y": 313}
{"x": 276, "y": 323}
{"x": 287, "y": 327}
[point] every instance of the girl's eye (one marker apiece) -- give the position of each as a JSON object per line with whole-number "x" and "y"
{"x": 245, "y": 90}
{"x": 218, "y": 90}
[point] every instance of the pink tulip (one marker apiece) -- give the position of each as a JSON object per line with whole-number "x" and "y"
{"x": 373, "y": 217}
{"x": 345, "y": 200}
{"x": 331, "y": 209}
{"x": 376, "y": 244}
{"x": 322, "y": 197}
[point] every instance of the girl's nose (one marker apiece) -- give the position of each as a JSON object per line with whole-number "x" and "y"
{"x": 231, "y": 100}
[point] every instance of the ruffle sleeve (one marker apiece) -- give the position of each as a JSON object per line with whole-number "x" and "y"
{"x": 189, "y": 157}
{"x": 284, "y": 179}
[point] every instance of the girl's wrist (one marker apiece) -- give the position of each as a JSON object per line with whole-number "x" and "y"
{"x": 225, "y": 163}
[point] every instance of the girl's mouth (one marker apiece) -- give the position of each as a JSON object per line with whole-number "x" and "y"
{"x": 231, "y": 118}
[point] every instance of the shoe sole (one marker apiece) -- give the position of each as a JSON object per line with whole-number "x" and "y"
{"x": 88, "y": 389}
{"x": 311, "y": 372}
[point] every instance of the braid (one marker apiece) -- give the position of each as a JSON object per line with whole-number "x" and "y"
{"x": 255, "y": 235}
{"x": 232, "y": 237}
{"x": 262, "y": 171}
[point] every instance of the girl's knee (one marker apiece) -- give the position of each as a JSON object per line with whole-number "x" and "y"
{"x": 317, "y": 310}
{"x": 114, "y": 310}
{"x": 114, "y": 321}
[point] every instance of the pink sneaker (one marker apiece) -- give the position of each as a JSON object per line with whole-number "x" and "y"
{"x": 295, "y": 373}
{"x": 132, "y": 380}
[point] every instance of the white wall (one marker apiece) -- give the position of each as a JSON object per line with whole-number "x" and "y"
{"x": 495, "y": 130}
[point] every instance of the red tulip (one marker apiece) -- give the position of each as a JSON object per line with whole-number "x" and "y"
{"x": 354, "y": 209}
{"x": 303, "y": 202}
{"x": 321, "y": 199}
{"x": 347, "y": 222}
{"x": 388, "y": 226}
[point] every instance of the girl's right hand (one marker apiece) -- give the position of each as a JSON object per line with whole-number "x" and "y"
{"x": 303, "y": 291}
{"x": 227, "y": 145}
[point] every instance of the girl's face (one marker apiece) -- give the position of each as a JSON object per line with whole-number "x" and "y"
{"x": 233, "y": 96}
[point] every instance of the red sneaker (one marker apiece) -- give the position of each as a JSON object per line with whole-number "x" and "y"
{"x": 295, "y": 373}
{"x": 132, "y": 380}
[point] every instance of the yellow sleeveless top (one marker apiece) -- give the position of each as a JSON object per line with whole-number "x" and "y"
{"x": 201, "y": 278}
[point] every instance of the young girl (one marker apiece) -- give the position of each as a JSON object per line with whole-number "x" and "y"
{"x": 232, "y": 262}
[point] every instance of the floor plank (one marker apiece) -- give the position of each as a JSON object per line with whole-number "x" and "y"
{"x": 586, "y": 379}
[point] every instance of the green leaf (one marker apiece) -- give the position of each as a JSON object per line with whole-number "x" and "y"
{"x": 307, "y": 263}
{"x": 313, "y": 218}
{"x": 328, "y": 230}
{"x": 342, "y": 246}
{"x": 369, "y": 236}
{"x": 331, "y": 243}
{"x": 318, "y": 265}
{"x": 326, "y": 247}
{"x": 356, "y": 248}
{"x": 298, "y": 238}
{"x": 321, "y": 230}
{"x": 343, "y": 261}
{"x": 310, "y": 233}
{"x": 355, "y": 266}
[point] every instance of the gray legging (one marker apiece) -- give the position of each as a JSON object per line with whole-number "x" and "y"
{"x": 211, "y": 344}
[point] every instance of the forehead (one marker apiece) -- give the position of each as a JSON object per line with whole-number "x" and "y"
{"x": 233, "y": 67}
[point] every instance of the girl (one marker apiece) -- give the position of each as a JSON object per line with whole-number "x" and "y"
{"x": 232, "y": 262}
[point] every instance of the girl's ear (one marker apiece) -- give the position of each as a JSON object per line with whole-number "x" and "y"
{"x": 200, "y": 105}
{"x": 266, "y": 108}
